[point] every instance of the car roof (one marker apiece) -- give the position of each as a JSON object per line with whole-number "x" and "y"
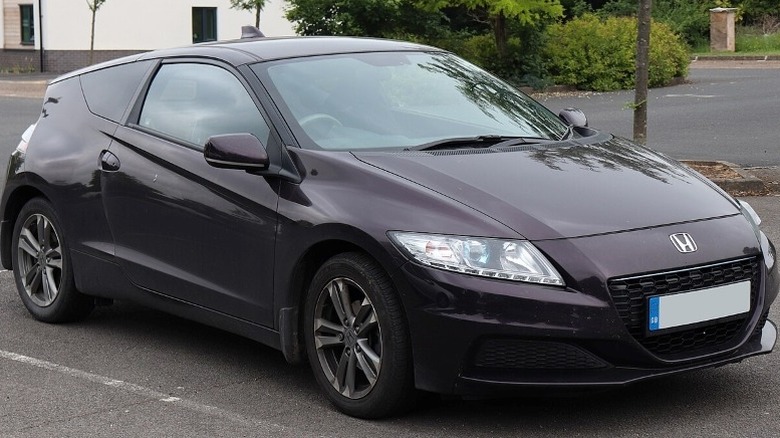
{"x": 292, "y": 47}
{"x": 250, "y": 50}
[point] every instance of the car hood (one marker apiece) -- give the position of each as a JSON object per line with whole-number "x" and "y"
{"x": 563, "y": 190}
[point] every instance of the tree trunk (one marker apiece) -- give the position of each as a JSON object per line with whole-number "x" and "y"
{"x": 642, "y": 71}
{"x": 92, "y": 38}
{"x": 257, "y": 18}
{"x": 499, "y": 31}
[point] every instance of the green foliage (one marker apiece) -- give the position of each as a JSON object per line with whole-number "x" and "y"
{"x": 688, "y": 18}
{"x": 481, "y": 50}
{"x": 525, "y": 11}
{"x": 249, "y": 5}
{"x": 94, "y": 5}
{"x": 754, "y": 10}
{"x": 376, "y": 18}
{"x": 347, "y": 17}
{"x": 513, "y": 50}
{"x": 595, "y": 54}
{"x": 575, "y": 8}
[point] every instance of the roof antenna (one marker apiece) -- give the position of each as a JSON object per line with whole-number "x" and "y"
{"x": 251, "y": 32}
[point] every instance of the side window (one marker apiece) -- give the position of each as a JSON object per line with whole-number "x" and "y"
{"x": 108, "y": 91}
{"x": 192, "y": 102}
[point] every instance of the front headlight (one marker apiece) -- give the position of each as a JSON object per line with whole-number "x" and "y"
{"x": 516, "y": 260}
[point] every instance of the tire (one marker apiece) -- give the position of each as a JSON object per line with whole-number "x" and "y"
{"x": 360, "y": 354}
{"x": 42, "y": 266}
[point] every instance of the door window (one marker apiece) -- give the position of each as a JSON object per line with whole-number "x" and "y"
{"x": 192, "y": 102}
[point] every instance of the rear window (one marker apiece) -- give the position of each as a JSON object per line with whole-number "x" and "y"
{"x": 108, "y": 91}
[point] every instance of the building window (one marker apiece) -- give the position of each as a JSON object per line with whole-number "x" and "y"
{"x": 204, "y": 24}
{"x": 28, "y": 24}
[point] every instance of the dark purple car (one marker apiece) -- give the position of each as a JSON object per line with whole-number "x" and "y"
{"x": 401, "y": 219}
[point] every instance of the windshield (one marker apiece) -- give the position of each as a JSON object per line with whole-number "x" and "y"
{"x": 399, "y": 100}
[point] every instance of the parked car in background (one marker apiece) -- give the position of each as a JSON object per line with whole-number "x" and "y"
{"x": 398, "y": 217}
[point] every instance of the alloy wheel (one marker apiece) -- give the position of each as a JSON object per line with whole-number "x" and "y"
{"x": 40, "y": 260}
{"x": 348, "y": 338}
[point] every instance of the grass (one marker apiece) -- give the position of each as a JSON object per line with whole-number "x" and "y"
{"x": 16, "y": 69}
{"x": 750, "y": 41}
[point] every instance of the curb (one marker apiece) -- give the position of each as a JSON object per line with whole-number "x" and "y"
{"x": 747, "y": 183}
{"x": 695, "y": 58}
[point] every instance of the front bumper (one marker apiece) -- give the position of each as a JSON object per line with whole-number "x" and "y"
{"x": 484, "y": 343}
{"x": 495, "y": 382}
{"x": 480, "y": 336}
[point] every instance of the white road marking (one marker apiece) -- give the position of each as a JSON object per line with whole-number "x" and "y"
{"x": 699, "y": 96}
{"x": 265, "y": 426}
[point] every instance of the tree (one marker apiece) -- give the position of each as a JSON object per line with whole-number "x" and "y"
{"x": 525, "y": 11}
{"x": 642, "y": 70}
{"x": 93, "y": 6}
{"x": 374, "y": 18}
{"x": 249, "y": 5}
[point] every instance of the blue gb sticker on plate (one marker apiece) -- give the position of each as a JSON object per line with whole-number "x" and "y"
{"x": 652, "y": 314}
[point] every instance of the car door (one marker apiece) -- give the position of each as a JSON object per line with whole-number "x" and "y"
{"x": 182, "y": 228}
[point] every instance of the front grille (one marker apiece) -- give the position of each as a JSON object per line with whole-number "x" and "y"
{"x": 520, "y": 354}
{"x": 630, "y": 298}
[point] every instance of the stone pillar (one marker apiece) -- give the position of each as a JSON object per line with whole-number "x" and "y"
{"x": 722, "y": 29}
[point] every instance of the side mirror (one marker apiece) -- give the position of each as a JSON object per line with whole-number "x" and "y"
{"x": 236, "y": 151}
{"x": 573, "y": 117}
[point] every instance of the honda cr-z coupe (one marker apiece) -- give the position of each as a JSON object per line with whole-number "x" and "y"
{"x": 385, "y": 210}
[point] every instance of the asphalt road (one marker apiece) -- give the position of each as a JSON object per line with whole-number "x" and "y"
{"x": 721, "y": 114}
{"x": 16, "y": 114}
{"x": 131, "y": 371}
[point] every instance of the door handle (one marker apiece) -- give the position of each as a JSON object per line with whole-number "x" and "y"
{"x": 109, "y": 162}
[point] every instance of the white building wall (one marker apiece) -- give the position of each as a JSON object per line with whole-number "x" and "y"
{"x": 272, "y": 20}
{"x": 147, "y": 24}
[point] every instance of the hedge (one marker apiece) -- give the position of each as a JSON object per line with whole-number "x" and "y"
{"x": 594, "y": 54}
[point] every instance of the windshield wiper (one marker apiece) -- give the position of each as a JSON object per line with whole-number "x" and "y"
{"x": 514, "y": 141}
{"x": 480, "y": 141}
{"x": 567, "y": 133}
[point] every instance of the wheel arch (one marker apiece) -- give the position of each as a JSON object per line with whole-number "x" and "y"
{"x": 296, "y": 279}
{"x": 13, "y": 205}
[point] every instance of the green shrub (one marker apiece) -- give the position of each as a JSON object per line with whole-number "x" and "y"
{"x": 521, "y": 65}
{"x": 688, "y": 18}
{"x": 595, "y": 54}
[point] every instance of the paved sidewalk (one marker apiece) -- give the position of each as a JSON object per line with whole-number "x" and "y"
{"x": 30, "y": 85}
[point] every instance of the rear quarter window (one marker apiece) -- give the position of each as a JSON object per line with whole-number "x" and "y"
{"x": 108, "y": 92}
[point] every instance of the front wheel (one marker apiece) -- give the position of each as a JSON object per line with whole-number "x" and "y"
{"x": 42, "y": 266}
{"x": 357, "y": 339}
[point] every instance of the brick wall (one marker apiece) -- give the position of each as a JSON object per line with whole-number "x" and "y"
{"x": 56, "y": 61}
{"x": 19, "y": 61}
{"x": 61, "y": 61}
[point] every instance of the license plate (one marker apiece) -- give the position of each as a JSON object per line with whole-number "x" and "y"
{"x": 675, "y": 310}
